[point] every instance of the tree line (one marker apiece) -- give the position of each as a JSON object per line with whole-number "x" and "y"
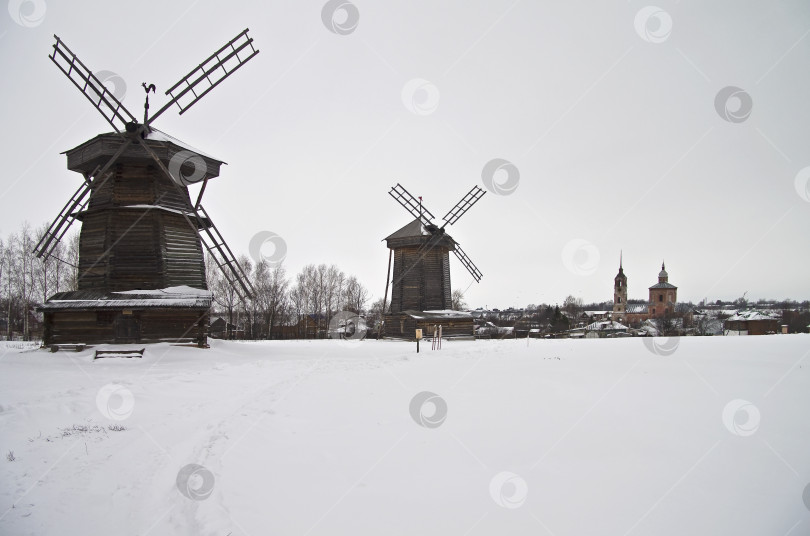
{"x": 300, "y": 306}
{"x": 26, "y": 280}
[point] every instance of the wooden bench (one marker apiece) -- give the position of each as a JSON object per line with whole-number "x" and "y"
{"x": 77, "y": 347}
{"x": 119, "y": 353}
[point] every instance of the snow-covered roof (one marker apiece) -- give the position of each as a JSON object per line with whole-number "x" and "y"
{"x": 181, "y": 296}
{"x": 182, "y": 290}
{"x": 438, "y": 315}
{"x": 751, "y": 315}
{"x": 159, "y": 135}
{"x": 415, "y": 228}
{"x": 605, "y": 325}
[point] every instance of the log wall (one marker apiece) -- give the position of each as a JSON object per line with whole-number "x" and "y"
{"x": 114, "y": 326}
{"x": 138, "y": 248}
{"x": 421, "y": 279}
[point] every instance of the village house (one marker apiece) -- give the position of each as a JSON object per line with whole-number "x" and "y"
{"x": 751, "y": 323}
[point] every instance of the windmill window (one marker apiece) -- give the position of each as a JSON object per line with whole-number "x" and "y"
{"x": 661, "y": 297}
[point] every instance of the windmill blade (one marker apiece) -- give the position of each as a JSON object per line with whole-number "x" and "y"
{"x": 214, "y": 243}
{"x": 91, "y": 87}
{"x": 411, "y": 204}
{"x": 464, "y": 205}
{"x": 468, "y": 264}
{"x": 210, "y": 73}
{"x": 77, "y": 203}
{"x": 48, "y": 241}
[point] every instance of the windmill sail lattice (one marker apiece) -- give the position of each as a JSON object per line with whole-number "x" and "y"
{"x": 468, "y": 264}
{"x": 91, "y": 87}
{"x": 210, "y": 73}
{"x": 77, "y": 203}
{"x": 411, "y": 204}
{"x": 464, "y": 205}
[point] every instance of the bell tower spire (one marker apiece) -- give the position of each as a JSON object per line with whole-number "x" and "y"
{"x": 663, "y": 276}
{"x": 620, "y": 292}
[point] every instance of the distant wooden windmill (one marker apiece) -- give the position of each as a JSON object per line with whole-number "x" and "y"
{"x": 141, "y": 262}
{"x": 421, "y": 293}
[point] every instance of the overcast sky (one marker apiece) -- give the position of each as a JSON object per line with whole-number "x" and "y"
{"x": 613, "y": 115}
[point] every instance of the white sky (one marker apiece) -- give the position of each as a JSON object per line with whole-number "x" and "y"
{"x": 616, "y": 138}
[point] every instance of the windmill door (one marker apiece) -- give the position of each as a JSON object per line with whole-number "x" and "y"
{"x": 127, "y": 329}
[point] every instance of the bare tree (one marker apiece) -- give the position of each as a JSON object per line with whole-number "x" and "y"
{"x": 9, "y": 263}
{"x": 24, "y": 276}
{"x": 457, "y": 300}
{"x": 71, "y": 252}
{"x": 298, "y": 304}
{"x": 356, "y": 296}
{"x": 271, "y": 286}
{"x": 375, "y": 314}
{"x": 246, "y": 307}
{"x": 665, "y": 324}
{"x": 572, "y": 306}
{"x": 279, "y": 285}
{"x": 225, "y": 295}
{"x": 707, "y": 325}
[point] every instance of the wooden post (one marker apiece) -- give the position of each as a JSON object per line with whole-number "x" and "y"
{"x": 387, "y": 279}
{"x": 385, "y": 296}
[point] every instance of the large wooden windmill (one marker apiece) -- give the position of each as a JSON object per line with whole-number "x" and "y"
{"x": 141, "y": 261}
{"x": 421, "y": 294}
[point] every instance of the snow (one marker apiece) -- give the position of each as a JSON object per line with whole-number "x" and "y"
{"x": 437, "y": 314}
{"x": 639, "y": 436}
{"x": 181, "y": 290}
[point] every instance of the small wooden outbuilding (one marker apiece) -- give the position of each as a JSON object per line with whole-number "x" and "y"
{"x": 177, "y": 314}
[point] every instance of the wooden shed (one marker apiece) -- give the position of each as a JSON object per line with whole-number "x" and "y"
{"x": 178, "y": 314}
{"x": 751, "y": 323}
{"x": 403, "y": 325}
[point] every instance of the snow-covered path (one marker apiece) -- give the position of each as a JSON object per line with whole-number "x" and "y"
{"x": 323, "y": 437}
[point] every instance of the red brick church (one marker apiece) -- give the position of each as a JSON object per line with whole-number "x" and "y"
{"x": 662, "y": 299}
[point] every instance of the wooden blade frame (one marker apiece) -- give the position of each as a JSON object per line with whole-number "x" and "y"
{"x": 464, "y": 205}
{"x": 209, "y": 74}
{"x": 468, "y": 264}
{"x": 411, "y": 204}
{"x": 91, "y": 87}
{"x": 77, "y": 203}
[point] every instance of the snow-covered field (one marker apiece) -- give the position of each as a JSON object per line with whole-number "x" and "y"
{"x": 323, "y": 437}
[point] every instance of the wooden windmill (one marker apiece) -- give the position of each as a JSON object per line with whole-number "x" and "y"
{"x": 421, "y": 294}
{"x": 141, "y": 261}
